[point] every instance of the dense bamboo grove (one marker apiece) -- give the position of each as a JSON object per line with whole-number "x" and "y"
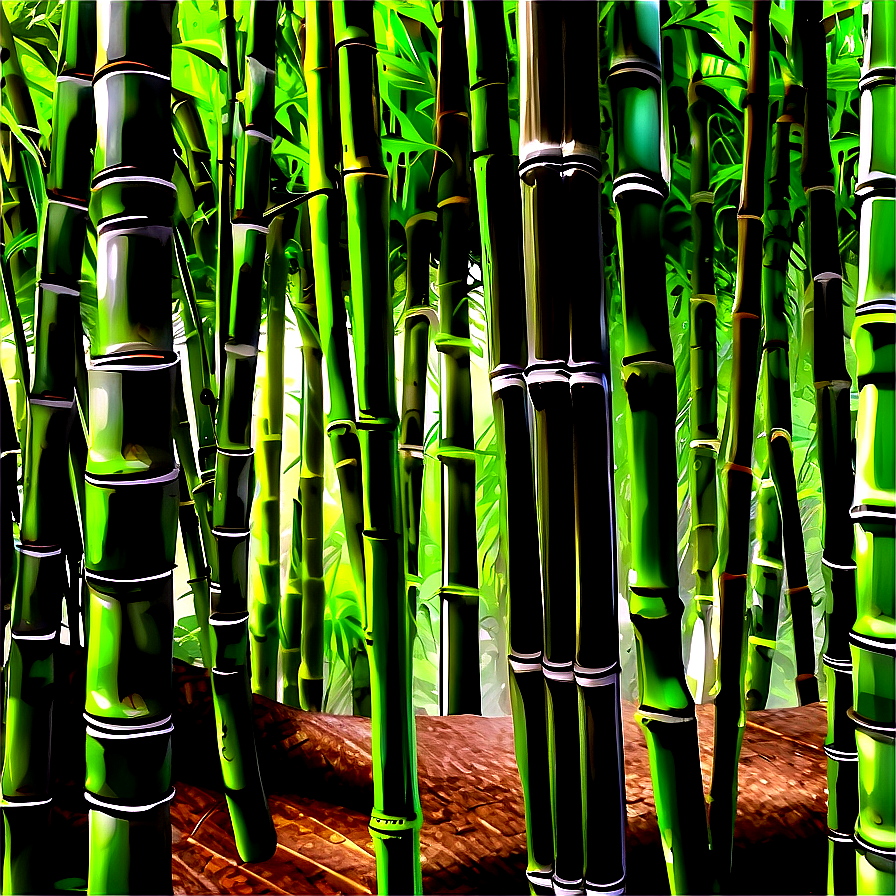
{"x": 487, "y": 358}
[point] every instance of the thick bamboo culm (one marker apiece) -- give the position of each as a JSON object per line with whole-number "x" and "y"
{"x": 234, "y": 479}
{"x": 835, "y": 455}
{"x": 776, "y": 404}
{"x": 568, "y": 380}
{"x": 666, "y": 712}
{"x": 873, "y": 636}
{"x": 131, "y": 473}
{"x": 498, "y": 193}
{"x": 703, "y": 414}
{"x": 396, "y": 818}
{"x": 737, "y": 472}
{"x": 39, "y": 588}
{"x": 325, "y": 211}
{"x": 459, "y": 591}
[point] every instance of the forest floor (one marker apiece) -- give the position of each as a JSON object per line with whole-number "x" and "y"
{"x": 317, "y": 771}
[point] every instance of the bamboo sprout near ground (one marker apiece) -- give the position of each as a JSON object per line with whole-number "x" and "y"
{"x": 459, "y": 591}
{"x": 264, "y": 613}
{"x": 666, "y": 712}
{"x": 547, "y": 378}
{"x": 873, "y": 637}
{"x": 396, "y": 817}
{"x": 498, "y": 194}
{"x": 703, "y": 413}
{"x": 131, "y": 473}
{"x": 234, "y": 480}
{"x": 776, "y": 403}
{"x": 730, "y": 716}
{"x": 325, "y": 211}
{"x": 835, "y": 458}
{"x": 36, "y": 611}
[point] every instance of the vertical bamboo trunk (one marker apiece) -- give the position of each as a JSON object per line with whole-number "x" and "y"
{"x": 730, "y": 716}
{"x": 40, "y": 586}
{"x": 666, "y": 712}
{"x": 776, "y": 402}
{"x": 234, "y": 479}
{"x": 325, "y": 211}
{"x": 873, "y": 635}
{"x": 835, "y": 457}
{"x": 768, "y": 576}
{"x": 547, "y": 379}
{"x": 311, "y": 487}
{"x": 290, "y": 620}
{"x": 396, "y": 817}
{"x": 703, "y": 414}
{"x": 498, "y": 198}
{"x": 265, "y": 610}
{"x": 131, "y": 478}
{"x": 459, "y": 591}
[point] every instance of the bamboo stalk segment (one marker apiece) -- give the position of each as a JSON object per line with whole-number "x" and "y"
{"x": 40, "y": 586}
{"x": 666, "y": 712}
{"x": 872, "y": 640}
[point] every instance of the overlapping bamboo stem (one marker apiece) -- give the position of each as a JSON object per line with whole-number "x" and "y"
{"x": 41, "y": 585}
{"x": 730, "y": 715}
{"x": 325, "y": 211}
{"x": 131, "y": 472}
{"x": 873, "y": 636}
{"x": 703, "y": 413}
{"x": 264, "y": 613}
{"x": 666, "y": 711}
{"x": 778, "y": 420}
{"x": 234, "y": 479}
{"x": 547, "y": 379}
{"x": 498, "y": 195}
{"x": 459, "y": 591}
{"x": 396, "y": 817}
{"x": 834, "y": 425}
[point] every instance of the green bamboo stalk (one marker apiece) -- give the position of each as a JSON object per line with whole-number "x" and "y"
{"x": 254, "y": 832}
{"x": 290, "y": 618}
{"x": 396, "y": 817}
{"x": 835, "y": 457}
{"x": 41, "y": 583}
{"x": 873, "y": 636}
{"x": 325, "y": 211}
{"x": 9, "y": 499}
{"x": 131, "y": 471}
{"x": 776, "y": 396}
{"x": 730, "y": 717}
{"x": 548, "y": 381}
{"x": 498, "y": 198}
{"x": 311, "y": 487}
{"x": 666, "y": 712}
{"x": 190, "y": 528}
{"x": 459, "y": 591}
{"x": 768, "y": 575}
{"x": 264, "y": 614}
{"x": 703, "y": 413}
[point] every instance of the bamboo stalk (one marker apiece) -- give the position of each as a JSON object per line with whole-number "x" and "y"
{"x": 40, "y": 585}
{"x": 131, "y": 473}
{"x": 459, "y": 591}
{"x": 234, "y": 472}
{"x": 325, "y": 211}
{"x": 730, "y": 714}
{"x": 666, "y": 712}
{"x": 873, "y": 635}
{"x": 396, "y": 817}
{"x": 498, "y": 197}
{"x": 703, "y": 413}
